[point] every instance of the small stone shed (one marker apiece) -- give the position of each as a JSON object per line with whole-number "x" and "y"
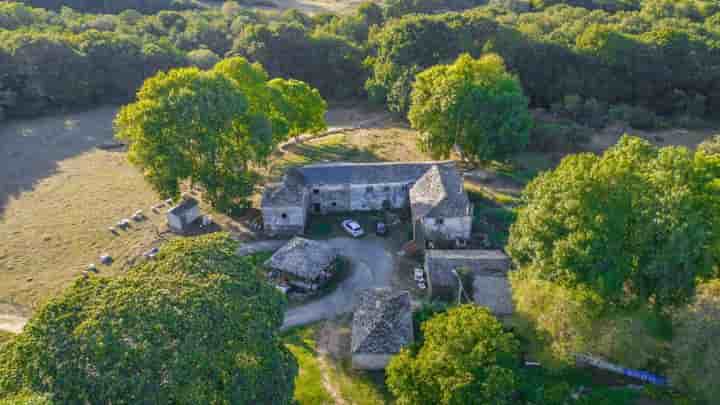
{"x": 304, "y": 263}
{"x": 488, "y": 270}
{"x": 382, "y": 325}
{"x": 182, "y": 216}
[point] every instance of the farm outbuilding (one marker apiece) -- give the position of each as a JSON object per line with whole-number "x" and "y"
{"x": 486, "y": 268}
{"x": 304, "y": 263}
{"x": 182, "y": 216}
{"x": 382, "y": 325}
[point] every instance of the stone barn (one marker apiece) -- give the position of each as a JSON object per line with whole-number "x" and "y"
{"x": 181, "y": 217}
{"x": 486, "y": 268}
{"x": 305, "y": 264}
{"x": 441, "y": 210}
{"x": 382, "y": 325}
{"x": 433, "y": 191}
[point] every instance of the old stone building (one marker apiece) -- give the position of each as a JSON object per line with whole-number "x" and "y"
{"x": 382, "y": 325}
{"x": 432, "y": 190}
{"x": 487, "y": 270}
{"x": 304, "y": 263}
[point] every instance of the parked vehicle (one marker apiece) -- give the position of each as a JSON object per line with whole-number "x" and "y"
{"x": 353, "y": 228}
{"x": 381, "y": 229}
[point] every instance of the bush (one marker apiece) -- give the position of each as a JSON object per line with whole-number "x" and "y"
{"x": 636, "y": 117}
{"x": 203, "y": 58}
{"x": 558, "y": 136}
{"x": 696, "y": 354}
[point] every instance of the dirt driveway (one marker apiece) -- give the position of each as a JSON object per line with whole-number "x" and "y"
{"x": 372, "y": 263}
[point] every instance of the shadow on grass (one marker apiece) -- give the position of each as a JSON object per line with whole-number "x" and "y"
{"x": 331, "y": 149}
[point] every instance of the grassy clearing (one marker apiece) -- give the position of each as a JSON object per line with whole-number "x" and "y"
{"x": 5, "y": 337}
{"x": 309, "y": 389}
{"x": 319, "y": 370}
{"x": 358, "y": 387}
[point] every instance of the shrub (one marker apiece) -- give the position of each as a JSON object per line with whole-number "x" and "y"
{"x": 696, "y": 354}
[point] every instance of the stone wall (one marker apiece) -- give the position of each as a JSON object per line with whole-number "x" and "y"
{"x": 325, "y": 199}
{"x": 288, "y": 220}
{"x": 368, "y": 361}
{"x": 446, "y": 228}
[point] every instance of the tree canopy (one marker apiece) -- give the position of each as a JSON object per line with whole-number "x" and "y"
{"x": 194, "y": 325}
{"x": 636, "y": 224}
{"x": 474, "y": 104}
{"x": 466, "y": 357}
{"x": 209, "y": 127}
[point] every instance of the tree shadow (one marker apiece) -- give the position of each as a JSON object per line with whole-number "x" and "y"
{"x": 31, "y": 149}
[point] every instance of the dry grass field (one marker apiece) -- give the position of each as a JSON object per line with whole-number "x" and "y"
{"x": 59, "y": 195}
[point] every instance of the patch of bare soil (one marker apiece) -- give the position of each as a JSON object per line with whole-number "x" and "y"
{"x": 333, "y": 341}
{"x": 607, "y": 137}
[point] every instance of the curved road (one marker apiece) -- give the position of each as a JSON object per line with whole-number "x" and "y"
{"x": 371, "y": 265}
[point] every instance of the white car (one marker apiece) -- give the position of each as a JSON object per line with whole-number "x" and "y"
{"x": 353, "y": 228}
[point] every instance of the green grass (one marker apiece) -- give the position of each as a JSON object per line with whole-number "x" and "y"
{"x": 359, "y": 387}
{"x": 356, "y": 387}
{"x": 309, "y": 388}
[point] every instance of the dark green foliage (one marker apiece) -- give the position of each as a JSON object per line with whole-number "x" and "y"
{"x": 113, "y": 6}
{"x": 632, "y": 58}
{"x": 330, "y": 63}
{"x": 195, "y": 325}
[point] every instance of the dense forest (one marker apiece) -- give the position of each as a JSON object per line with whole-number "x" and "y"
{"x": 648, "y": 59}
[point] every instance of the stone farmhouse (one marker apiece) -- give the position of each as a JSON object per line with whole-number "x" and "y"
{"x": 382, "y": 325}
{"x": 440, "y": 208}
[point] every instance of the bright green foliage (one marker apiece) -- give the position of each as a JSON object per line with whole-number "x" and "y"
{"x": 466, "y": 358}
{"x": 474, "y": 104}
{"x": 302, "y": 105}
{"x": 637, "y": 225}
{"x": 564, "y": 318}
{"x": 696, "y": 354}
{"x": 194, "y": 326}
{"x": 210, "y": 126}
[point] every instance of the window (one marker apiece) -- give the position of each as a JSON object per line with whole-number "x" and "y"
{"x": 439, "y": 221}
{"x": 283, "y": 215}
{"x": 316, "y": 191}
{"x": 334, "y": 204}
{"x": 386, "y": 188}
{"x": 369, "y": 189}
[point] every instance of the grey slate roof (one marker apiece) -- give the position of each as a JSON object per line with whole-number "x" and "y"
{"x": 440, "y": 263}
{"x": 303, "y": 258}
{"x": 185, "y": 205}
{"x": 382, "y": 322}
{"x": 364, "y": 173}
{"x": 282, "y": 194}
{"x": 440, "y": 192}
{"x": 493, "y": 293}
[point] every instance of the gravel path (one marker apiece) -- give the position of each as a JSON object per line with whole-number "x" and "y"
{"x": 372, "y": 265}
{"x": 249, "y": 248}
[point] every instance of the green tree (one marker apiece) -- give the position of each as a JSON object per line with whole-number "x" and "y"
{"x": 209, "y": 127}
{"x": 696, "y": 355}
{"x": 302, "y": 106}
{"x": 474, "y": 104}
{"x": 637, "y": 225}
{"x": 195, "y": 325}
{"x": 465, "y": 358}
